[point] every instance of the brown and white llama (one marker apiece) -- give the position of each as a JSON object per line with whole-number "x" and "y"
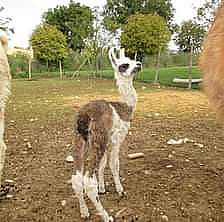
{"x": 102, "y": 126}
{"x": 212, "y": 61}
{"x": 4, "y": 93}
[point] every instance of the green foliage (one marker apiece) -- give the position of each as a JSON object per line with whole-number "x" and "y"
{"x": 48, "y": 43}
{"x": 190, "y": 34}
{"x": 205, "y": 13}
{"x": 95, "y": 46}
{"x": 74, "y": 21}
{"x": 116, "y": 12}
{"x": 145, "y": 34}
{"x": 4, "y": 22}
{"x": 18, "y": 65}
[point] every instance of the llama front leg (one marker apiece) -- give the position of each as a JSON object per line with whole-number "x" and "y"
{"x": 91, "y": 189}
{"x": 2, "y": 144}
{"x": 78, "y": 186}
{"x": 115, "y": 168}
{"x": 102, "y": 166}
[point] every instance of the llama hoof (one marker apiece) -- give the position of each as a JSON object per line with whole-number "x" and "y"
{"x": 111, "y": 219}
{"x": 122, "y": 195}
{"x": 102, "y": 190}
{"x": 84, "y": 213}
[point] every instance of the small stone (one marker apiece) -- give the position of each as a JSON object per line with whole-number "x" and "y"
{"x": 9, "y": 196}
{"x": 170, "y": 156}
{"x": 9, "y": 181}
{"x": 175, "y": 142}
{"x": 165, "y": 218}
{"x": 169, "y": 166}
{"x": 187, "y": 160}
{"x": 147, "y": 172}
{"x": 63, "y": 202}
{"x": 28, "y": 144}
{"x": 200, "y": 145}
{"x": 69, "y": 158}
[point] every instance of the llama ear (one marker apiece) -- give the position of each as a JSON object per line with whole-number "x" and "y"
{"x": 136, "y": 54}
{"x": 112, "y": 57}
{"x": 122, "y": 53}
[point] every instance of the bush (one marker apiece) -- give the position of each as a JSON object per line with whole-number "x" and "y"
{"x": 18, "y": 65}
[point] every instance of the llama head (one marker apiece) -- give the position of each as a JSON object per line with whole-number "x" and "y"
{"x": 124, "y": 66}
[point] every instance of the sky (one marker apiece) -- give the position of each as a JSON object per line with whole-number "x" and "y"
{"x": 26, "y": 14}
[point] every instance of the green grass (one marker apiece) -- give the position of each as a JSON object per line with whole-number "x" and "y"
{"x": 166, "y": 75}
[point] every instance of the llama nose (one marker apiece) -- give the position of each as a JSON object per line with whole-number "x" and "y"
{"x": 139, "y": 64}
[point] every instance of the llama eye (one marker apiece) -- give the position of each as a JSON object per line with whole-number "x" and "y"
{"x": 123, "y": 67}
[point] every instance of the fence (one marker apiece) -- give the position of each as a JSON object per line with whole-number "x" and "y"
{"x": 75, "y": 61}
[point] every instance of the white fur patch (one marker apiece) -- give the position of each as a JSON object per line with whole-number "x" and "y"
{"x": 119, "y": 129}
{"x": 119, "y": 132}
{"x": 102, "y": 166}
{"x": 78, "y": 186}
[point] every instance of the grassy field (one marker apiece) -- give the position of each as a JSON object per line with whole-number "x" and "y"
{"x": 166, "y": 75}
{"x": 183, "y": 183}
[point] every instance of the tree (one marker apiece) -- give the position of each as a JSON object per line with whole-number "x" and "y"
{"x": 205, "y": 13}
{"x": 49, "y": 44}
{"x": 4, "y": 22}
{"x": 189, "y": 39}
{"x": 145, "y": 34}
{"x": 116, "y": 12}
{"x": 74, "y": 21}
{"x": 101, "y": 38}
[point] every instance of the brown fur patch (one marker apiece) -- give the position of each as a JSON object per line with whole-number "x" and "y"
{"x": 97, "y": 119}
{"x": 212, "y": 61}
{"x": 93, "y": 128}
{"x": 124, "y": 111}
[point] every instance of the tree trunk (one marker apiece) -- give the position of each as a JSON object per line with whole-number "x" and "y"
{"x": 47, "y": 68}
{"x": 60, "y": 69}
{"x": 96, "y": 63}
{"x": 190, "y": 69}
{"x": 30, "y": 68}
{"x": 157, "y": 67}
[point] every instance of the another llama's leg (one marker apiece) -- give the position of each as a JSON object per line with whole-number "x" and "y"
{"x": 91, "y": 189}
{"x": 78, "y": 186}
{"x": 102, "y": 166}
{"x": 2, "y": 144}
{"x": 115, "y": 168}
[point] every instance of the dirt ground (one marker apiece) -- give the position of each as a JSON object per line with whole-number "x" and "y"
{"x": 176, "y": 183}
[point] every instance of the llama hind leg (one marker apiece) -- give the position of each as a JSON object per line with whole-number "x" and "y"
{"x": 102, "y": 166}
{"x": 91, "y": 189}
{"x": 78, "y": 186}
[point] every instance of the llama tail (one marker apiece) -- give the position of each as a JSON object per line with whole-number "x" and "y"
{"x": 212, "y": 61}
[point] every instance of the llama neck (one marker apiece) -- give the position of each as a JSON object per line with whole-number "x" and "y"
{"x": 127, "y": 91}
